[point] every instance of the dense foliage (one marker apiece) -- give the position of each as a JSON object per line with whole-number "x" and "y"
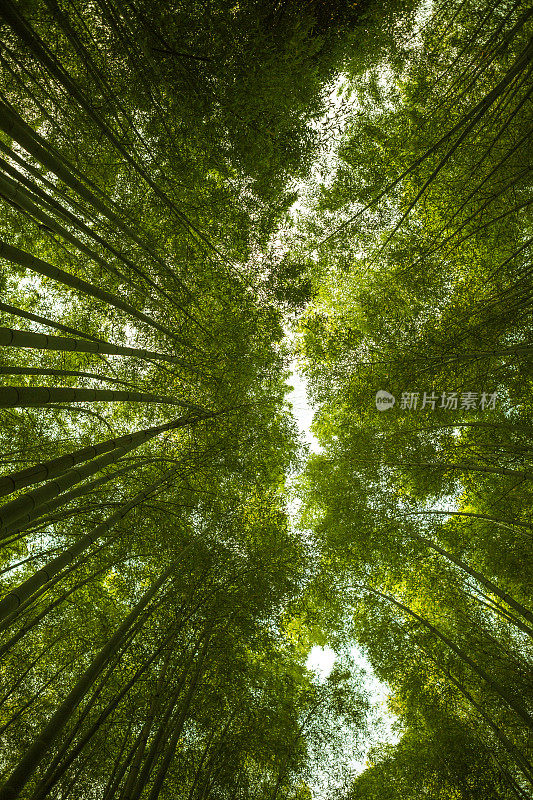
{"x": 422, "y": 509}
{"x": 159, "y": 603}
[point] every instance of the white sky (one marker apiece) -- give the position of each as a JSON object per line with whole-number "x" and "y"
{"x": 321, "y": 659}
{"x": 301, "y": 408}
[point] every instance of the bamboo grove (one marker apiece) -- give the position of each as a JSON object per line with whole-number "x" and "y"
{"x": 422, "y": 509}
{"x": 160, "y": 597}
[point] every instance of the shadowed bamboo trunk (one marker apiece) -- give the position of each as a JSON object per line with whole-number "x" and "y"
{"x": 64, "y": 373}
{"x": 39, "y": 513}
{"x": 17, "y": 596}
{"x": 37, "y": 396}
{"x": 36, "y": 752}
{"x": 496, "y": 687}
{"x": 524, "y": 765}
{"x": 170, "y": 749}
{"x": 49, "y": 323}
{"x": 10, "y": 337}
{"x": 29, "y": 502}
{"x": 518, "y": 607}
{"x": 58, "y": 768}
{"x": 41, "y": 197}
{"x": 56, "y": 466}
{"x": 40, "y": 267}
{"x": 22, "y": 28}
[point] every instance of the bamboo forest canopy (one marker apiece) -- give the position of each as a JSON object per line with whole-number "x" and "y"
{"x": 193, "y": 196}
